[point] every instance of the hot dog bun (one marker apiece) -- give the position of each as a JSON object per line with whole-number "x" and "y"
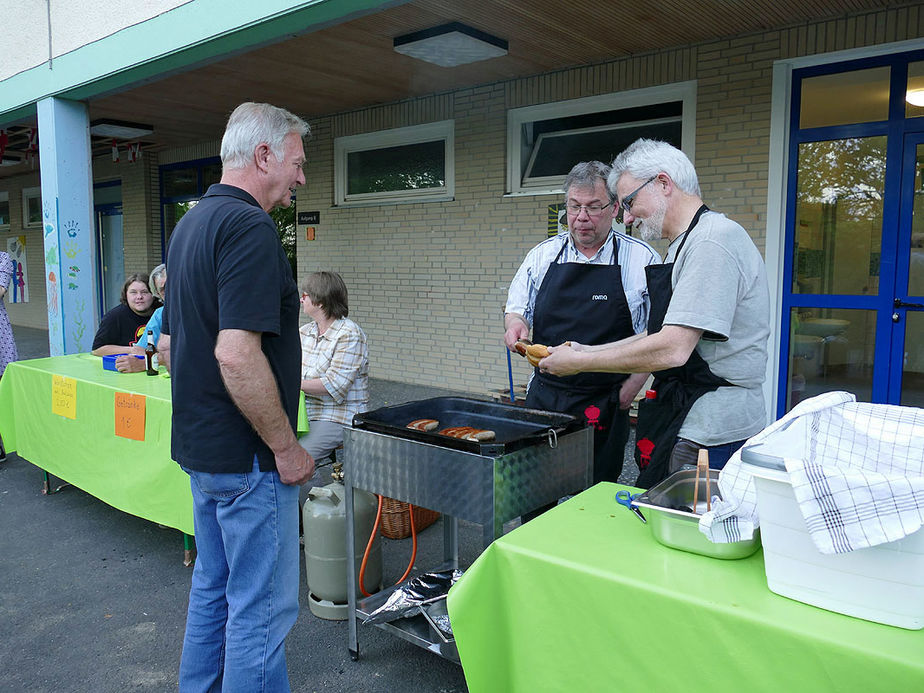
{"x": 533, "y": 352}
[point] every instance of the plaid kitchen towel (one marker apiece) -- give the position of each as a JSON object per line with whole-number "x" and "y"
{"x": 857, "y": 471}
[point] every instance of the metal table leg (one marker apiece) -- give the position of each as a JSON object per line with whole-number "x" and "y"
{"x": 46, "y": 485}
{"x": 189, "y": 550}
{"x": 451, "y": 540}
{"x": 351, "y": 572}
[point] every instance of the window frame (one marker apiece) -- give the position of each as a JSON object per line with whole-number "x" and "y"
{"x": 5, "y": 197}
{"x": 382, "y": 139}
{"x": 685, "y": 92}
{"x": 29, "y": 194}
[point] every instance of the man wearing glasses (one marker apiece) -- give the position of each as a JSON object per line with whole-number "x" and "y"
{"x": 708, "y": 325}
{"x": 589, "y": 285}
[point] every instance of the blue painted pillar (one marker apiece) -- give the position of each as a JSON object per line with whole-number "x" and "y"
{"x": 67, "y": 225}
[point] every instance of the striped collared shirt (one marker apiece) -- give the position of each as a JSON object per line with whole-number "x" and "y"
{"x": 340, "y": 358}
{"x": 634, "y": 255}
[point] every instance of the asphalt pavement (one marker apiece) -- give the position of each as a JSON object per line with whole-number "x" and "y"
{"x": 93, "y": 599}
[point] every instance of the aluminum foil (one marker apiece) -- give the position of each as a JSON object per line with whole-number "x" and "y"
{"x": 408, "y": 599}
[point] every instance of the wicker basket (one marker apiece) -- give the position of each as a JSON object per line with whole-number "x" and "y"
{"x": 396, "y": 520}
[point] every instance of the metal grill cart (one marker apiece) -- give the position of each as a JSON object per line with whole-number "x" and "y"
{"x": 535, "y": 458}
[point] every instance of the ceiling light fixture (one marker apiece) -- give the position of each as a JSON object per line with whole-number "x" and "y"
{"x": 915, "y": 97}
{"x": 449, "y": 45}
{"x": 120, "y": 129}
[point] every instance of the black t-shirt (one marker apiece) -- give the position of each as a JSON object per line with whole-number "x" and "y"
{"x": 121, "y": 325}
{"x": 228, "y": 270}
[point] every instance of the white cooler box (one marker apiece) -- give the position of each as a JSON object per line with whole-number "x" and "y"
{"x": 883, "y": 583}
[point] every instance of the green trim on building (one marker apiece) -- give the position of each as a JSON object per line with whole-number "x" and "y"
{"x": 191, "y": 34}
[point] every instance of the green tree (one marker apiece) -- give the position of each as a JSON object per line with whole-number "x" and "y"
{"x": 285, "y": 226}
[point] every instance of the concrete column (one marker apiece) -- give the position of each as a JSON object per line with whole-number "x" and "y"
{"x": 67, "y": 225}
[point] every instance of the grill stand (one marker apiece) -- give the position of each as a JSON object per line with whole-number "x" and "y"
{"x": 485, "y": 490}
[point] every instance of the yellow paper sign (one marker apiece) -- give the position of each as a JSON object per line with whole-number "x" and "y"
{"x": 129, "y": 415}
{"x": 64, "y": 396}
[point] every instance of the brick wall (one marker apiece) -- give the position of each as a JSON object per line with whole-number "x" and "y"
{"x": 428, "y": 281}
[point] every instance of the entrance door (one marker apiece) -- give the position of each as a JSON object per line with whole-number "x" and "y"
{"x": 853, "y": 299}
{"x": 906, "y": 382}
{"x": 109, "y": 247}
{"x": 107, "y": 205}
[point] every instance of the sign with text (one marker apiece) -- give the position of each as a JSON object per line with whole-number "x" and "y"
{"x": 64, "y": 396}
{"x": 129, "y": 415}
{"x": 304, "y": 218}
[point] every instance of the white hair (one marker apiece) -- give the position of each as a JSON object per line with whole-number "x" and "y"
{"x": 157, "y": 273}
{"x": 252, "y": 124}
{"x": 644, "y": 159}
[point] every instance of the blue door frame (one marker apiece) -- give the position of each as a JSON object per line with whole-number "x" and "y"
{"x": 902, "y": 134}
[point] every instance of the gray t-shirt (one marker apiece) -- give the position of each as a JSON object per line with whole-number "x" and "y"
{"x": 720, "y": 286}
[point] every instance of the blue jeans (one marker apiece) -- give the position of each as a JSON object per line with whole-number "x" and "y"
{"x": 244, "y": 595}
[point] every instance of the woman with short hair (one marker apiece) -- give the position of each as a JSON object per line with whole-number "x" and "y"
{"x": 335, "y": 364}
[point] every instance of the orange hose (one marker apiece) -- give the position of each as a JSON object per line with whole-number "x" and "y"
{"x": 362, "y": 567}
{"x": 410, "y": 510}
{"x": 375, "y": 528}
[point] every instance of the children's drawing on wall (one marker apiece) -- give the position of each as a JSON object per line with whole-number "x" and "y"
{"x": 19, "y": 286}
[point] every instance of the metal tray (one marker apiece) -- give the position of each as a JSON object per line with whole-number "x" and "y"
{"x": 668, "y": 508}
{"x": 447, "y": 643}
{"x": 514, "y": 427}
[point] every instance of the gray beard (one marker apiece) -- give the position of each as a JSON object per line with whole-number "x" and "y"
{"x": 648, "y": 233}
{"x": 652, "y": 228}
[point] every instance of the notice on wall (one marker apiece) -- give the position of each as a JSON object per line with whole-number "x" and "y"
{"x": 64, "y": 396}
{"x": 557, "y": 222}
{"x": 129, "y": 415}
{"x": 18, "y": 291}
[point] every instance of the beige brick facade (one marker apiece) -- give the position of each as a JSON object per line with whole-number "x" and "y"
{"x": 428, "y": 281}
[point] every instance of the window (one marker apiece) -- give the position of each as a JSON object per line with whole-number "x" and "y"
{"x": 181, "y": 186}
{"x": 4, "y": 210}
{"x": 413, "y": 164}
{"x": 31, "y": 207}
{"x": 544, "y": 142}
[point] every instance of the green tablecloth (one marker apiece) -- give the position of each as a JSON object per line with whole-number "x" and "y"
{"x": 583, "y": 599}
{"x": 137, "y": 477}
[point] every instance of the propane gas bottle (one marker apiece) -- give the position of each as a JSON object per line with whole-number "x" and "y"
{"x": 324, "y": 521}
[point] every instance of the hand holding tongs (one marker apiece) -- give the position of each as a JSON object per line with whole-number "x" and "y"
{"x": 625, "y": 498}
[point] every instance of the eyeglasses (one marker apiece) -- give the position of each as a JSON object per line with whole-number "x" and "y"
{"x": 592, "y": 210}
{"x": 627, "y": 201}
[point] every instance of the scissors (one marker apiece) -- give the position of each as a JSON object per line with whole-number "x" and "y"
{"x": 625, "y": 498}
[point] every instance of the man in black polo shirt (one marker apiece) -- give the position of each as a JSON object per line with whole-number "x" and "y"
{"x": 232, "y": 321}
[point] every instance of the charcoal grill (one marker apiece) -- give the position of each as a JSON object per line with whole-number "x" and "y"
{"x": 536, "y": 457}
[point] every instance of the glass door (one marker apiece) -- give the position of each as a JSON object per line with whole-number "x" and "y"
{"x": 111, "y": 259}
{"x": 906, "y": 383}
{"x": 853, "y": 300}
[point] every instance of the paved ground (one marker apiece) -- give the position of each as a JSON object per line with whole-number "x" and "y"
{"x": 93, "y": 599}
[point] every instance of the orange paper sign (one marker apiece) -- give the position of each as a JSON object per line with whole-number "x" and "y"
{"x": 64, "y": 396}
{"x": 129, "y": 415}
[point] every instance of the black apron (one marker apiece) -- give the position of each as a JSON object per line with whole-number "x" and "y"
{"x": 676, "y": 389}
{"x": 586, "y": 303}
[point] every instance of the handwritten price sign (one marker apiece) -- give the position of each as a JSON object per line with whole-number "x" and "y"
{"x": 64, "y": 396}
{"x": 129, "y": 415}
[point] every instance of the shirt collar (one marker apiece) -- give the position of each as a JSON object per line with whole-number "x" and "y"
{"x": 574, "y": 250}
{"x": 218, "y": 189}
